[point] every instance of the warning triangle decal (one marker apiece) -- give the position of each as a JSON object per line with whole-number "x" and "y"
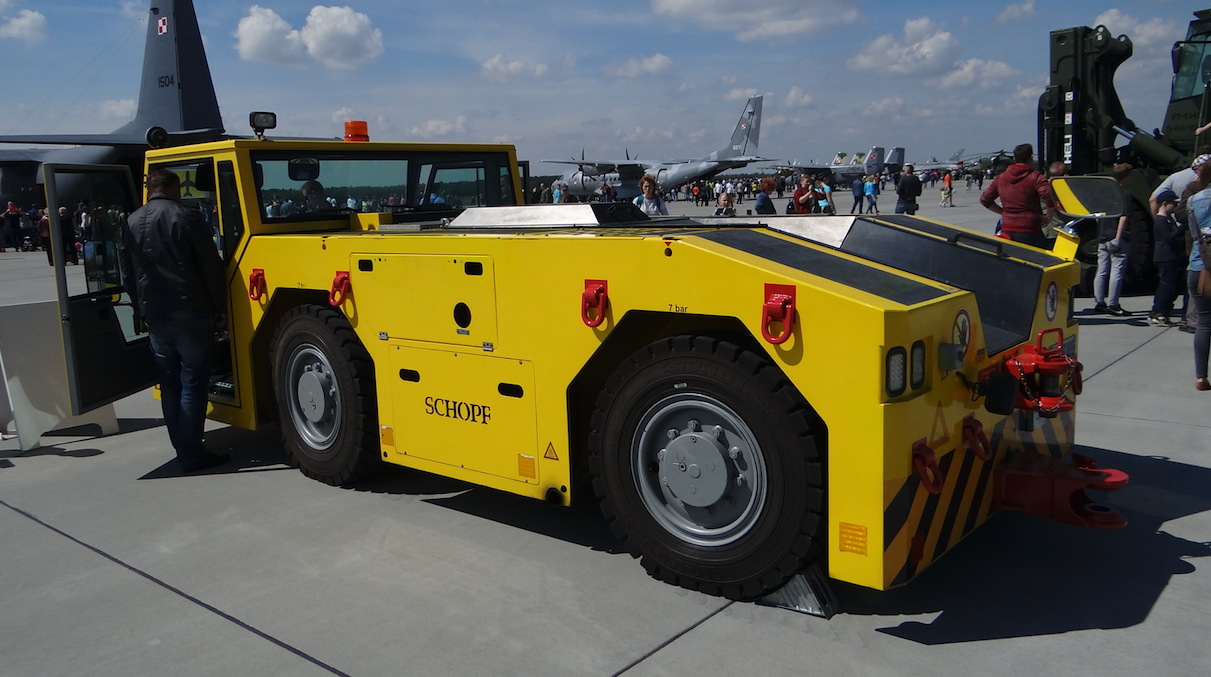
{"x": 939, "y": 432}
{"x": 551, "y": 452}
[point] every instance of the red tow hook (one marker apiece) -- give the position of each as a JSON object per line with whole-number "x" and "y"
{"x": 256, "y": 284}
{"x": 1045, "y": 486}
{"x": 779, "y": 306}
{"x": 973, "y": 435}
{"x": 340, "y": 288}
{"x": 596, "y": 295}
{"x": 925, "y": 464}
{"x": 1039, "y": 370}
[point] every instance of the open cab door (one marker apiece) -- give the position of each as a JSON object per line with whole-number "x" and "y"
{"x": 105, "y": 345}
{"x": 1084, "y": 200}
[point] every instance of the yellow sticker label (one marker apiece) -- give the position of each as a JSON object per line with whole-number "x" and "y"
{"x": 852, "y": 538}
{"x": 551, "y": 452}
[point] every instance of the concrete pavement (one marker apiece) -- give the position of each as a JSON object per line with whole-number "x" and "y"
{"x": 112, "y": 563}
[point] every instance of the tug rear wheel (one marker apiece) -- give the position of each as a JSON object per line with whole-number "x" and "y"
{"x": 323, "y": 380}
{"x": 703, "y": 456}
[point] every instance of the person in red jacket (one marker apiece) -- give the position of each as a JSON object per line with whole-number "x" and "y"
{"x": 1022, "y": 191}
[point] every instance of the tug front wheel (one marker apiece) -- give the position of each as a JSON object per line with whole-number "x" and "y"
{"x": 323, "y": 380}
{"x": 703, "y": 457}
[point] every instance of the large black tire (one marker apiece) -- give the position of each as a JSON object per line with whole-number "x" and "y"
{"x": 323, "y": 380}
{"x": 675, "y": 427}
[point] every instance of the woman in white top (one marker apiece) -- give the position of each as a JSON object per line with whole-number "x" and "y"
{"x": 650, "y": 202}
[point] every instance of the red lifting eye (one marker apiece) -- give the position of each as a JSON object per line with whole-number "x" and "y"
{"x": 779, "y": 306}
{"x": 256, "y": 284}
{"x": 340, "y": 288}
{"x": 596, "y": 295}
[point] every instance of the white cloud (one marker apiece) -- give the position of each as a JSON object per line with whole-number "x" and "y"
{"x": 336, "y": 36}
{"x": 1144, "y": 34}
{"x": 797, "y": 98}
{"x": 983, "y": 74}
{"x": 770, "y": 18}
{"x": 1016, "y": 12}
{"x": 121, "y": 109}
{"x": 340, "y": 37}
{"x": 648, "y": 65}
{"x": 439, "y": 128}
{"x": 264, "y": 36}
{"x": 28, "y": 25}
{"x": 926, "y": 49}
{"x": 346, "y": 113}
{"x": 740, "y": 93}
{"x": 134, "y": 10}
{"x": 498, "y": 68}
{"x": 892, "y": 105}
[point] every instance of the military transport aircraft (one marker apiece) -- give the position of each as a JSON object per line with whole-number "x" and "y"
{"x": 177, "y": 104}
{"x": 844, "y": 169}
{"x": 590, "y": 176}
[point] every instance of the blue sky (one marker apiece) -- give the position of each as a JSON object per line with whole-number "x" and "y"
{"x": 662, "y": 79}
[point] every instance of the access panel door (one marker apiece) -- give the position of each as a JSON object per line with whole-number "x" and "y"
{"x": 467, "y": 410}
{"x": 105, "y": 344}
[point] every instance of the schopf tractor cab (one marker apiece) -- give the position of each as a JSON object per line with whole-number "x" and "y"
{"x": 746, "y": 398}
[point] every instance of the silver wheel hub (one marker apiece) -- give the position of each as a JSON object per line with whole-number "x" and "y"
{"x": 315, "y": 409}
{"x": 699, "y": 470}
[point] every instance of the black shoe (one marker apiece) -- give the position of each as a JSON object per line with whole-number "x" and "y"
{"x": 1100, "y": 308}
{"x": 1117, "y": 310}
{"x": 206, "y": 461}
{"x": 1187, "y": 329}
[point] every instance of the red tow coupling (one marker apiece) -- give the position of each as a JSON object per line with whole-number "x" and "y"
{"x": 340, "y": 288}
{"x": 779, "y": 306}
{"x": 973, "y": 435}
{"x": 256, "y": 284}
{"x": 1045, "y": 486}
{"x": 1040, "y": 373}
{"x": 596, "y": 296}
{"x": 925, "y": 463}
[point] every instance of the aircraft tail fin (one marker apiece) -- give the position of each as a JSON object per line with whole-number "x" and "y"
{"x": 895, "y": 159}
{"x": 177, "y": 92}
{"x": 748, "y": 129}
{"x": 874, "y": 161}
{"x": 957, "y": 156}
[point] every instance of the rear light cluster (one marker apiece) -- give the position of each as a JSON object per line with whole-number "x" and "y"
{"x": 905, "y": 369}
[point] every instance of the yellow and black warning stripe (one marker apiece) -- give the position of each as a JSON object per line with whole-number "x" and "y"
{"x": 920, "y": 527}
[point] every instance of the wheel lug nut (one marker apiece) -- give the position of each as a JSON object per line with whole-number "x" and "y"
{"x": 693, "y": 425}
{"x": 739, "y": 480}
{"x": 660, "y": 455}
{"x": 673, "y": 433}
{"x": 717, "y": 431}
{"x": 734, "y": 453}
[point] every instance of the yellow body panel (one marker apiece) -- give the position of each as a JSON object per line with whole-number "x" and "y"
{"x": 486, "y": 399}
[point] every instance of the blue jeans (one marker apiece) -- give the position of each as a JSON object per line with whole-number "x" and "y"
{"x": 182, "y": 351}
{"x": 1111, "y": 265}
{"x": 903, "y": 207}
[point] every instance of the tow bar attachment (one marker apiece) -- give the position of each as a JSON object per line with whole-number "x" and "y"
{"x": 256, "y": 284}
{"x": 1045, "y": 486}
{"x": 1038, "y": 371}
{"x": 340, "y": 289}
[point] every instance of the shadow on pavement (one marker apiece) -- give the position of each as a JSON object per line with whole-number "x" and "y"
{"x": 250, "y": 452}
{"x": 1021, "y": 576}
{"x": 52, "y": 451}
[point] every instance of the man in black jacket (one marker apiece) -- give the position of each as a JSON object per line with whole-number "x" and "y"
{"x": 907, "y": 190}
{"x": 177, "y": 288}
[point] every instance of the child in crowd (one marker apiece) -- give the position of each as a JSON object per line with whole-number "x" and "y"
{"x": 1169, "y": 256}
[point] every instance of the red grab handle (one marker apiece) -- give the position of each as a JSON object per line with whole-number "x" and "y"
{"x": 779, "y": 306}
{"x": 340, "y": 288}
{"x": 973, "y": 435}
{"x": 596, "y": 295}
{"x": 926, "y": 466}
{"x": 256, "y": 284}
